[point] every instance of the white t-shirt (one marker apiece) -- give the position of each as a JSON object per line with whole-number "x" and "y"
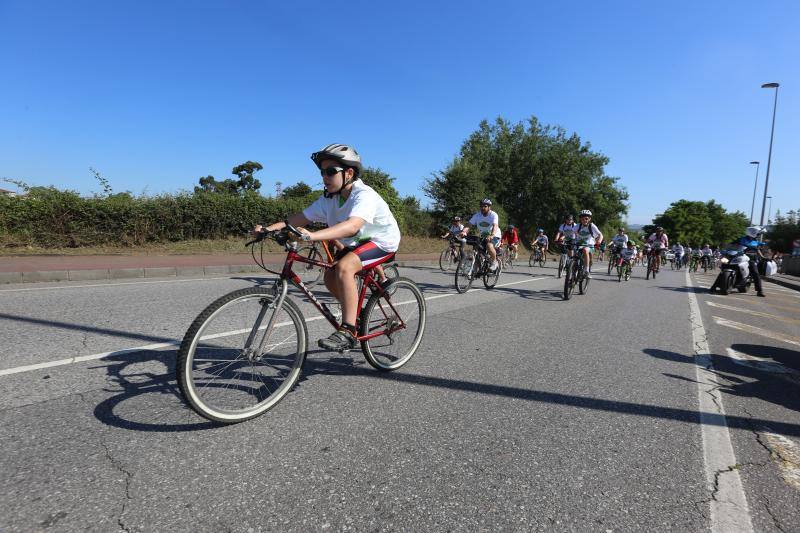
{"x": 455, "y": 229}
{"x": 628, "y": 253}
{"x": 568, "y": 230}
{"x": 485, "y": 223}
{"x": 620, "y": 240}
{"x": 588, "y": 234}
{"x": 380, "y": 226}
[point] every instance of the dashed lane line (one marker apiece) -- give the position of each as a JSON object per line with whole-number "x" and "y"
{"x": 754, "y": 313}
{"x": 789, "y": 339}
{"x": 729, "y": 510}
{"x": 158, "y": 346}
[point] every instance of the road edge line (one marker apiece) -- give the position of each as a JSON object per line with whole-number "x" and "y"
{"x": 729, "y": 510}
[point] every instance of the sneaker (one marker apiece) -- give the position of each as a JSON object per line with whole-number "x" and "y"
{"x": 761, "y": 293}
{"x": 587, "y": 275}
{"x": 493, "y": 267}
{"x": 340, "y": 341}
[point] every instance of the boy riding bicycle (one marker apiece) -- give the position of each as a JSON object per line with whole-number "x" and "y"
{"x": 356, "y": 215}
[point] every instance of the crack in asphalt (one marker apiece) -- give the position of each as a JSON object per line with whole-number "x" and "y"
{"x": 119, "y": 467}
{"x": 774, "y": 519}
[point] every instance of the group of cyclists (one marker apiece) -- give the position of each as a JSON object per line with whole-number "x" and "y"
{"x": 362, "y": 224}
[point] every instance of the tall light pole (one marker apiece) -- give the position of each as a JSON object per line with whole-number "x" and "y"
{"x": 771, "y": 137}
{"x": 755, "y": 186}
{"x": 769, "y": 211}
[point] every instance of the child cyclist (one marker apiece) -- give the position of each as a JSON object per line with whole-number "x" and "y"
{"x": 357, "y": 216}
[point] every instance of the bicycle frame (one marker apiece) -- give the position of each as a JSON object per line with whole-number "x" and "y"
{"x": 287, "y": 274}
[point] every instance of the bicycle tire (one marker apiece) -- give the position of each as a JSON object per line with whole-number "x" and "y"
{"x": 620, "y": 269}
{"x": 610, "y": 264}
{"x": 445, "y": 259}
{"x": 560, "y": 266}
{"x": 541, "y": 260}
{"x": 583, "y": 284}
{"x": 531, "y": 260}
{"x": 490, "y": 278}
{"x": 391, "y": 271}
{"x": 193, "y": 371}
{"x": 309, "y": 274}
{"x": 569, "y": 273}
{"x": 465, "y": 273}
{"x": 405, "y": 293}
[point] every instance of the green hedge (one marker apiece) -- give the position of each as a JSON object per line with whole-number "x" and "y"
{"x": 47, "y": 217}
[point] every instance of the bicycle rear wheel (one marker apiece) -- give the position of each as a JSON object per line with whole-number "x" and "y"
{"x": 309, "y": 274}
{"x": 231, "y": 367}
{"x": 399, "y": 322}
{"x": 446, "y": 259}
{"x": 465, "y": 272}
{"x": 490, "y": 278}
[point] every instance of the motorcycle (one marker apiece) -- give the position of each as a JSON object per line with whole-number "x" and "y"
{"x": 734, "y": 272}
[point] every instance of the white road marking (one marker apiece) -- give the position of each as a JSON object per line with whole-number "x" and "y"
{"x": 729, "y": 510}
{"x": 158, "y": 346}
{"x": 754, "y": 313}
{"x": 758, "y": 363}
{"x": 111, "y": 284}
{"x": 756, "y": 331}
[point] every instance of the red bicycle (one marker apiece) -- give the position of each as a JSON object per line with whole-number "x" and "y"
{"x": 246, "y": 350}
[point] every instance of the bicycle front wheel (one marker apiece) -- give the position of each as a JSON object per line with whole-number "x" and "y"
{"x": 231, "y": 366}
{"x": 560, "y": 266}
{"x": 465, "y": 272}
{"x": 397, "y": 319}
{"x": 570, "y": 271}
{"x": 446, "y": 259}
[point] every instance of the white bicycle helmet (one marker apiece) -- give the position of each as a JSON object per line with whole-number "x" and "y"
{"x": 486, "y": 201}
{"x": 754, "y": 231}
{"x": 585, "y": 212}
{"x": 344, "y": 154}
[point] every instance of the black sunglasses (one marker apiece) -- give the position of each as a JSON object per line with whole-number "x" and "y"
{"x": 330, "y": 171}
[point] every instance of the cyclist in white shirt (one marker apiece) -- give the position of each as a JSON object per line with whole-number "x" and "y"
{"x": 566, "y": 232}
{"x": 455, "y": 228}
{"x": 660, "y": 242}
{"x": 706, "y": 253}
{"x": 678, "y": 251}
{"x": 620, "y": 240}
{"x": 629, "y": 254}
{"x": 488, "y": 224}
{"x": 589, "y": 237}
{"x": 542, "y": 242}
{"x": 358, "y": 217}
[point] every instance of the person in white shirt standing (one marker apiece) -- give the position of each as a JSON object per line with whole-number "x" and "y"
{"x": 488, "y": 224}
{"x": 356, "y": 215}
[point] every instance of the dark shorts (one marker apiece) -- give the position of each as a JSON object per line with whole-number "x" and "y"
{"x": 368, "y": 252}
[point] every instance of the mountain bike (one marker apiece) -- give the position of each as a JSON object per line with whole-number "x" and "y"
{"x": 451, "y": 255}
{"x": 245, "y": 351}
{"x": 537, "y": 256}
{"x": 574, "y": 273}
{"x": 475, "y": 264}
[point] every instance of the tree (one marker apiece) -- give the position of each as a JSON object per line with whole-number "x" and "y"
{"x": 298, "y": 190}
{"x": 245, "y": 182}
{"x": 382, "y": 182}
{"x": 533, "y": 172}
{"x": 699, "y": 223}
{"x": 784, "y": 232}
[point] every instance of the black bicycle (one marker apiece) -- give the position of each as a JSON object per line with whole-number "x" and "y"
{"x": 451, "y": 255}
{"x": 614, "y": 259}
{"x": 575, "y": 274}
{"x": 475, "y": 264}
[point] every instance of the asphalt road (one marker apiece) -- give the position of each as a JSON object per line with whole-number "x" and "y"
{"x": 519, "y": 412}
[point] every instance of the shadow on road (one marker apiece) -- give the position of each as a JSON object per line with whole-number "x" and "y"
{"x": 746, "y": 378}
{"x": 150, "y": 401}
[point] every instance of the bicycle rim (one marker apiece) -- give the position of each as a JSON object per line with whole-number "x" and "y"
{"x": 400, "y": 317}
{"x": 217, "y": 376}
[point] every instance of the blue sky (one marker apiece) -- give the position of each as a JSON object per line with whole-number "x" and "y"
{"x": 156, "y": 94}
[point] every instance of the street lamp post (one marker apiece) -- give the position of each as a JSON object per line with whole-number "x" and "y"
{"x": 769, "y": 211}
{"x": 755, "y": 186}
{"x": 771, "y": 137}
